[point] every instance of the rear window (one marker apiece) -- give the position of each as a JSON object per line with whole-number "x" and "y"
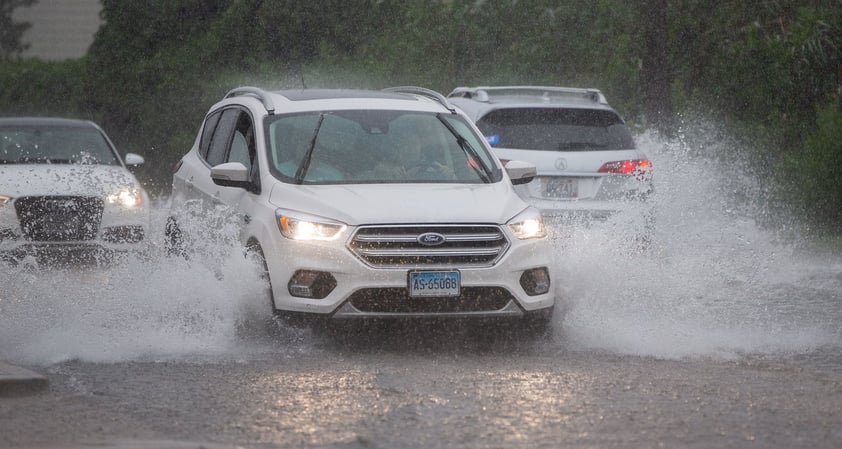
{"x": 555, "y": 129}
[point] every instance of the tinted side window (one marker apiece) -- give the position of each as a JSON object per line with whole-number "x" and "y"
{"x": 222, "y": 137}
{"x": 242, "y": 147}
{"x": 207, "y": 133}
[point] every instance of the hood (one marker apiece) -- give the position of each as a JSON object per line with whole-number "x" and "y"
{"x": 358, "y": 204}
{"x": 17, "y": 180}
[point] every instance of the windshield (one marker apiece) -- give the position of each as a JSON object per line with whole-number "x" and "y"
{"x": 555, "y": 129}
{"x": 54, "y": 145}
{"x": 376, "y": 146}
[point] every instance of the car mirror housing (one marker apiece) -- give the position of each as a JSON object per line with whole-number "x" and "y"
{"x": 521, "y": 172}
{"x": 231, "y": 174}
{"x": 133, "y": 159}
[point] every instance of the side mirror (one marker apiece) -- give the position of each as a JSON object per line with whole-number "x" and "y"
{"x": 134, "y": 160}
{"x": 521, "y": 172}
{"x": 231, "y": 174}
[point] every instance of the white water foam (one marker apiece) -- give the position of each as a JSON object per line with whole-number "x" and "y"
{"x": 713, "y": 283}
{"x": 141, "y": 308}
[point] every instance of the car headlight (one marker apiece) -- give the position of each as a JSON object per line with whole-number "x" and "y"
{"x": 4, "y": 200}
{"x": 528, "y": 225}
{"x": 126, "y": 196}
{"x": 297, "y": 226}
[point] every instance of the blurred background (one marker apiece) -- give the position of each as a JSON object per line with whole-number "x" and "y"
{"x": 766, "y": 75}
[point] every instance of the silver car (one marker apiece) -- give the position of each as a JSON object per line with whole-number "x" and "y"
{"x": 587, "y": 162}
{"x": 66, "y": 195}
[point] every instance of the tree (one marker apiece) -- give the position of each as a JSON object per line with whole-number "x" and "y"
{"x": 11, "y": 31}
{"x": 656, "y": 74}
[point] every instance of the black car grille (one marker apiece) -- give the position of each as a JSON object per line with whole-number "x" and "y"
{"x": 397, "y": 300}
{"x": 59, "y": 218}
{"x": 123, "y": 234}
{"x": 458, "y": 245}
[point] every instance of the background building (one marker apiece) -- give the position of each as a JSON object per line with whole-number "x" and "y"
{"x": 61, "y": 29}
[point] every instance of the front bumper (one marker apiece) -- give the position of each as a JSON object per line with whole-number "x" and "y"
{"x": 72, "y": 237}
{"x": 364, "y": 291}
{"x": 67, "y": 252}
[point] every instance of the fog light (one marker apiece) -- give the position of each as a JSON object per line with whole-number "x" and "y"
{"x": 311, "y": 284}
{"x": 535, "y": 281}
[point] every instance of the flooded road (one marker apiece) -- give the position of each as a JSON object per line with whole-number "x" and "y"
{"x": 721, "y": 333}
{"x": 326, "y": 397}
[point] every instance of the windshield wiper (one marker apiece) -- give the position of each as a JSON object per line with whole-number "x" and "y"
{"x": 480, "y": 168}
{"x": 305, "y": 163}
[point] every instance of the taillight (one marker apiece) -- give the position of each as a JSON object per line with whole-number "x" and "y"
{"x": 177, "y": 166}
{"x": 628, "y": 166}
{"x": 503, "y": 162}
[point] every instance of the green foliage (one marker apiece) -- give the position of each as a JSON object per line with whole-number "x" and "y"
{"x": 10, "y": 30}
{"x": 38, "y": 88}
{"x": 761, "y": 68}
{"x": 813, "y": 173}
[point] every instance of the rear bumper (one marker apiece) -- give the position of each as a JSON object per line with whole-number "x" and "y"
{"x": 586, "y": 212}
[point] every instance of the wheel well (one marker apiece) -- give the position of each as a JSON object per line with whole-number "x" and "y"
{"x": 252, "y": 244}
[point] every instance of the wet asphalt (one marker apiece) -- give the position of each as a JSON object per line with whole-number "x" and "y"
{"x": 404, "y": 390}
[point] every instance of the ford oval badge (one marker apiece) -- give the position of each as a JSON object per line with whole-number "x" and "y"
{"x": 431, "y": 239}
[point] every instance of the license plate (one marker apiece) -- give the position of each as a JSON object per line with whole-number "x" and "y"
{"x": 561, "y": 188}
{"x": 434, "y": 283}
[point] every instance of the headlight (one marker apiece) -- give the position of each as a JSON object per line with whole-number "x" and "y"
{"x": 127, "y": 197}
{"x": 528, "y": 225}
{"x": 297, "y": 226}
{"x": 4, "y": 200}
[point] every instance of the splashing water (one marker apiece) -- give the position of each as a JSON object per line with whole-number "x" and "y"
{"x": 140, "y": 308}
{"x": 713, "y": 283}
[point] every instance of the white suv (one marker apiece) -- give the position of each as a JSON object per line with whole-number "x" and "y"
{"x": 66, "y": 194}
{"x": 368, "y": 204}
{"x": 588, "y": 165}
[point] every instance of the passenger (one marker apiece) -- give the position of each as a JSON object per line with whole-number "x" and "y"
{"x": 420, "y": 160}
{"x": 316, "y": 171}
{"x": 293, "y": 146}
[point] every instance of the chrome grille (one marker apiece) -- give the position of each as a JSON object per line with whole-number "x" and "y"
{"x": 399, "y": 246}
{"x": 59, "y": 218}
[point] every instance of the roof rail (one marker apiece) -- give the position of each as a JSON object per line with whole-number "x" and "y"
{"x": 485, "y": 93}
{"x": 429, "y": 93}
{"x": 256, "y": 92}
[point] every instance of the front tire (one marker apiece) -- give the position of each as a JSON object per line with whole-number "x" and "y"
{"x": 255, "y": 252}
{"x": 265, "y": 316}
{"x": 538, "y": 324}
